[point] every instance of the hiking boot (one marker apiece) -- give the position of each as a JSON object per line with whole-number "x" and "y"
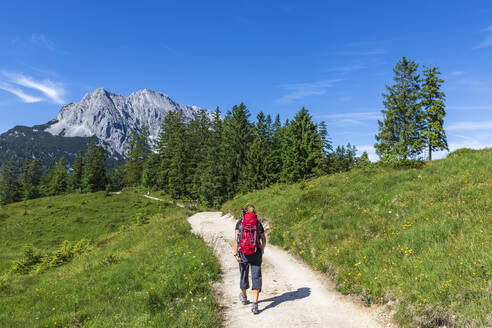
{"x": 254, "y": 308}
{"x": 243, "y": 299}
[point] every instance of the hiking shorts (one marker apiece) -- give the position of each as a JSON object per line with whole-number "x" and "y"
{"x": 253, "y": 261}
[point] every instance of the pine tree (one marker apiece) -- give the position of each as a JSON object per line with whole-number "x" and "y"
{"x": 151, "y": 170}
{"x": 277, "y": 148}
{"x": 197, "y": 143}
{"x": 235, "y": 142}
{"x": 433, "y": 105}
{"x": 327, "y": 148}
{"x": 303, "y": 148}
{"x": 254, "y": 172}
{"x": 9, "y": 186}
{"x": 400, "y": 131}
{"x": 59, "y": 179}
{"x": 75, "y": 178}
{"x": 212, "y": 180}
{"x": 94, "y": 174}
{"x": 139, "y": 150}
{"x": 30, "y": 179}
{"x": 172, "y": 154}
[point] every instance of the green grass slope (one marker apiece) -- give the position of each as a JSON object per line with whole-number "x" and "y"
{"x": 103, "y": 261}
{"x": 419, "y": 238}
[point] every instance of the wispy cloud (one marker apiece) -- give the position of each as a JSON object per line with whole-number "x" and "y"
{"x": 487, "y": 42}
{"x": 457, "y": 73}
{"x": 24, "y": 97}
{"x": 356, "y": 118}
{"x": 53, "y": 91}
{"x": 487, "y": 29}
{"x": 470, "y": 126}
{"x": 347, "y": 68}
{"x": 42, "y": 40}
{"x": 299, "y": 91}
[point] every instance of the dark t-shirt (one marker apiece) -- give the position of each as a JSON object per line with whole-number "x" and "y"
{"x": 260, "y": 226}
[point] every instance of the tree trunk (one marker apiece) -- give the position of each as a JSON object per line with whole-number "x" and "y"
{"x": 430, "y": 153}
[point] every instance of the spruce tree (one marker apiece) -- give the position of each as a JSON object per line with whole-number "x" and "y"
{"x": 235, "y": 142}
{"x": 9, "y": 185}
{"x": 151, "y": 170}
{"x": 59, "y": 179}
{"x": 211, "y": 184}
{"x": 303, "y": 148}
{"x": 400, "y": 130}
{"x": 75, "y": 178}
{"x": 139, "y": 150}
{"x": 276, "y": 150}
{"x": 172, "y": 154}
{"x": 433, "y": 105}
{"x": 94, "y": 175}
{"x": 255, "y": 171}
{"x": 30, "y": 179}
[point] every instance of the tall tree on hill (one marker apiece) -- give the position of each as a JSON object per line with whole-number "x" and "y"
{"x": 235, "y": 141}
{"x": 400, "y": 131}
{"x": 172, "y": 152}
{"x": 94, "y": 175}
{"x": 212, "y": 180}
{"x": 9, "y": 186}
{"x": 255, "y": 171}
{"x": 303, "y": 153}
{"x": 433, "y": 105}
{"x": 326, "y": 148}
{"x": 139, "y": 150}
{"x": 30, "y": 179}
{"x": 75, "y": 178}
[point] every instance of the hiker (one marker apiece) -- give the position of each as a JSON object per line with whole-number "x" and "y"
{"x": 248, "y": 251}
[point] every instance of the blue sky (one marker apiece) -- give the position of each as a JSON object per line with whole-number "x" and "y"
{"x": 332, "y": 57}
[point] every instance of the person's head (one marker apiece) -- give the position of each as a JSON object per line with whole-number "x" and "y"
{"x": 250, "y": 209}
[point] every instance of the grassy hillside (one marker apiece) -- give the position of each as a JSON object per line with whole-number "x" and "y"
{"x": 419, "y": 238}
{"x": 103, "y": 261}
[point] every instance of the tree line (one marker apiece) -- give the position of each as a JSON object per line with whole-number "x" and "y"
{"x": 88, "y": 174}
{"x": 210, "y": 159}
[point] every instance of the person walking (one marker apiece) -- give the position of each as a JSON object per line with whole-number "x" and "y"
{"x": 248, "y": 251}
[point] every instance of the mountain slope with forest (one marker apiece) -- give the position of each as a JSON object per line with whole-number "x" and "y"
{"x": 418, "y": 239}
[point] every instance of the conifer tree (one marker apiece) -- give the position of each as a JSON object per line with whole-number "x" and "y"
{"x": 172, "y": 153}
{"x": 30, "y": 179}
{"x": 235, "y": 142}
{"x": 277, "y": 148}
{"x": 9, "y": 186}
{"x": 433, "y": 105}
{"x": 400, "y": 131}
{"x": 151, "y": 170}
{"x": 197, "y": 143}
{"x": 94, "y": 173}
{"x": 139, "y": 150}
{"x": 75, "y": 178}
{"x": 303, "y": 148}
{"x": 212, "y": 184}
{"x": 255, "y": 171}
{"x": 59, "y": 179}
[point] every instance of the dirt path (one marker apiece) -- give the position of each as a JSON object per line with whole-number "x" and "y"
{"x": 155, "y": 198}
{"x": 293, "y": 294}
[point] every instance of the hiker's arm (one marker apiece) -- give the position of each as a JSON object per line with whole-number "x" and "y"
{"x": 263, "y": 242}
{"x": 235, "y": 241}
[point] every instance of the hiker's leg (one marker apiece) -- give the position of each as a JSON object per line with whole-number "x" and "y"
{"x": 244, "y": 277}
{"x": 256, "y": 293}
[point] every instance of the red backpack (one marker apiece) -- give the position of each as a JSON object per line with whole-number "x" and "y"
{"x": 249, "y": 234}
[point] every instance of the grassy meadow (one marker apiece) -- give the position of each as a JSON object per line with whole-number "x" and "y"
{"x": 418, "y": 238}
{"x": 97, "y": 260}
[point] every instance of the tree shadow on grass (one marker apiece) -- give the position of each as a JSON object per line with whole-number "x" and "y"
{"x": 302, "y": 292}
